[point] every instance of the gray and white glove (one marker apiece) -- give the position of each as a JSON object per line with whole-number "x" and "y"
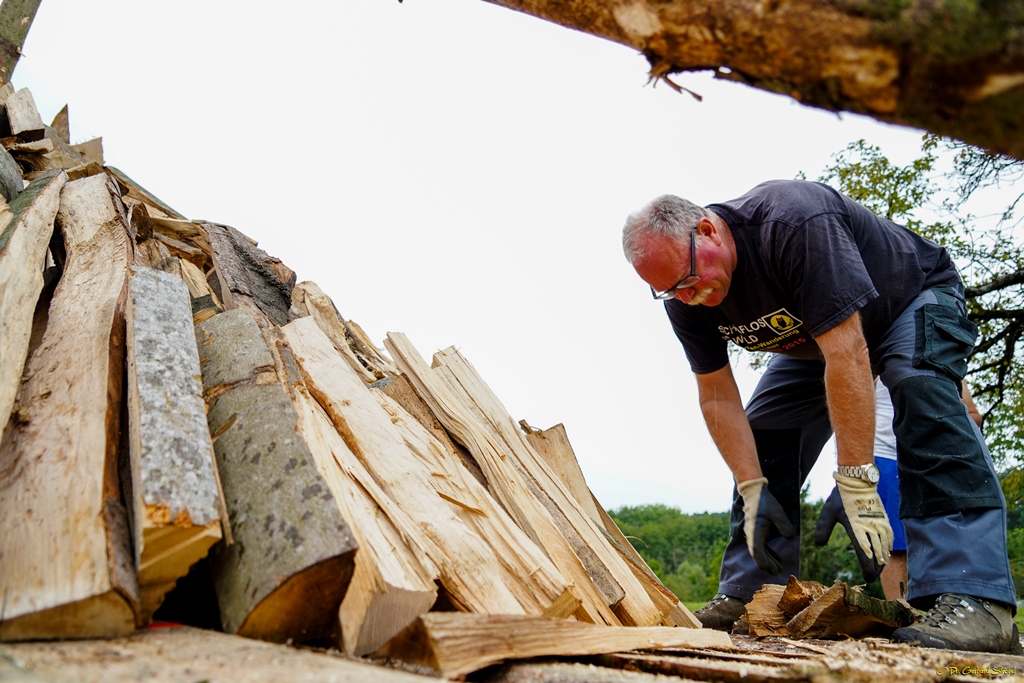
{"x": 761, "y": 512}
{"x": 868, "y": 524}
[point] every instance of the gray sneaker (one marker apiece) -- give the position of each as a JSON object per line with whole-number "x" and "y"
{"x": 962, "y": 622}
{"x": 721, "y": 612}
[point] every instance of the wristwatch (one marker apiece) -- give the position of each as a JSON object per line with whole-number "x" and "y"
{"x": 868, "y": 473}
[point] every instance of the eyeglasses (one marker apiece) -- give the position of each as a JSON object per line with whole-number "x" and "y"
{"x": 688, "y": 281}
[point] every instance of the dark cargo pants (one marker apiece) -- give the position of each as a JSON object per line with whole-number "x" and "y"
{"x": 951, "y": 503}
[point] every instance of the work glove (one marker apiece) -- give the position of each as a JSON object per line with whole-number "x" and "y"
{"x": 855, "y": 504}
{"x": 761, "y": 512}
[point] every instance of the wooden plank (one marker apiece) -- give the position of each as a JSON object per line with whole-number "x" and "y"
{"x": 505, "y": 481}
{"x": 453, "y": 644}
{"x": 22, "y": 114}
{"x": 286, "y": 573}
{"x": 23, "y": 243}
{"x": 538, "y": 585}
{"x": 474, "y": 576}
{"x": 636, "y": 607}
{"x": 711, "y": 668}
{"x": 254, "y": 279}
{"x": 68, "y": 570}
{"x": 393, "y": 578}
{"x": 187, "y": 655}
{"x": 176, "y": 499}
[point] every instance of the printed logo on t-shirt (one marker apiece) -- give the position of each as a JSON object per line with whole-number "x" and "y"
{"x": 778, "y": 331}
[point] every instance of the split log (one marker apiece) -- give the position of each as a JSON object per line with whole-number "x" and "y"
{"x": 136, "y": 191}
{"x": 23, "y": 244}
{"x": 183, "y": 231}
{"x": 452, "y": 644}
{"x": 204, "y": 302}
{"x": 66, "y": 569}
{"x": 194, "y": 255}
{"x": 90, "y": 150}
{"x": 176, "y": 497}
{"x": 249, "y": 277}
{"x": 711, "y": 667}
{"x": 23, "y": 116}
{"x": 392, "y": 583}
{"x": 474, "y": 576}
{"x": 312, "y": 301}
{"x": 286, "y": 573}
{"x": 554, "y": 447}
{"x": 504, "y": 480}
{"x": 537, "y": 584}
{"x": 764, "y": 616}
{"x": 844, "y": 611}
{"x": 636, "y": 607}
{"x": 799, "y": 594}
{"x": 61, "y": 125}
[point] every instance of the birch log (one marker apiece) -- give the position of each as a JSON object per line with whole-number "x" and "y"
{"x": 286, "y": 573}
{"x": 23, "y": 242}
{"x": 66, "y": 569}
{"x": 176, "y": 500}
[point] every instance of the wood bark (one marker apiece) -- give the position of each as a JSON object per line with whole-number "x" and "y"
{"x": 452, "y": 644}
{"x": 249, "y": 277}
{"x": 286, "y": 573}
{"x": 846, "y": 612}
{"x": 23, "y": 243}
{"x": 636, "y": 607}
{"x": 66, "y": 569}
{"x": 176, "y": 501}
{"x": 955, "y": 69}
{"x": 16, "y": 18}
{"x": 475, "y": 577}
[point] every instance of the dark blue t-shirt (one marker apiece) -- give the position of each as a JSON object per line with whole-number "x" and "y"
{"x": 808, "y": 257}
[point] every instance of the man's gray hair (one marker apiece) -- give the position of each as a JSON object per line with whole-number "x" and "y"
{"x": 667, "y": 215}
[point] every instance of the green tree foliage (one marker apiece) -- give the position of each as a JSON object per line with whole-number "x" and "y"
{"x": 933, "y": 196}
{"x": 685, "y": 551}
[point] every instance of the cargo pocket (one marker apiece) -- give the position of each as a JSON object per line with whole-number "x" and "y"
{"x": 944, "y": 340}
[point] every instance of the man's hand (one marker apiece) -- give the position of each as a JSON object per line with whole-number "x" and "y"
{"x": 834, "y": 512}
{"x": 865, "y": 521}
{"x": 760, "y": 513}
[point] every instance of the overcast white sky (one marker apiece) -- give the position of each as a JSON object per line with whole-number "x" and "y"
{"x": 452, "y": 170}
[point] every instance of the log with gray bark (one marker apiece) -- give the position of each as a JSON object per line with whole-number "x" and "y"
{"x": 176, "y": 501}
{"x": 286, "y": 572}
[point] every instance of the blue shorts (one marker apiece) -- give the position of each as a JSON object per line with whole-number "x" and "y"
{"x": 889, "y": 492}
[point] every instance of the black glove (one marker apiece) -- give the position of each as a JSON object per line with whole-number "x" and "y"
{"x": 761, "y": 512}
{"x": 835, "y": 512}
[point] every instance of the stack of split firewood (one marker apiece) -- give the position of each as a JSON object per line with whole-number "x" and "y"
{"x": 175, "y": 397}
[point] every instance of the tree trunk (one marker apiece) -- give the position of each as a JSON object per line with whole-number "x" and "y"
{"x": 952, "y": 68}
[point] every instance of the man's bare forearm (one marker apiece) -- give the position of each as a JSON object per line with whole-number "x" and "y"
{"x": 722, "y": 407}
{"x": 850, "y": 391}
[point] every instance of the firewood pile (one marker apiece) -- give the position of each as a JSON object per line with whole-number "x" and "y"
{"x": 180, "y": 406}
